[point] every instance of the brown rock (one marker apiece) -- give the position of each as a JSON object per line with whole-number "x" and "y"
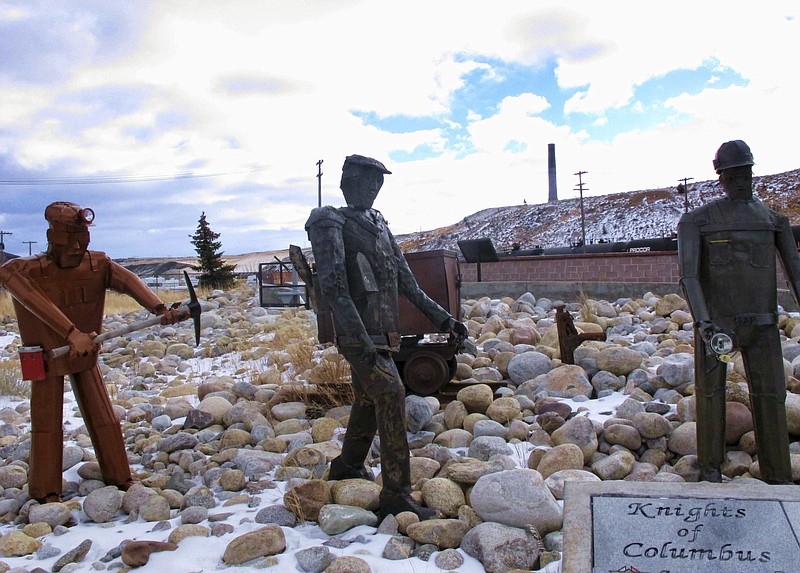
{"x": 191, "y": 530}
{"x": 268, "y": 540}
{"x": 444, "y": 533}
{"x": 579, "y": 431}
{"x": 137, "y": 553}
{"x": 563, "y": 457}
{"x": 738, "y": 420}
{"x": 348, "y": 564}
{"x": 476, "y": 398}
{"x": 305, "y": 500}
{"x": 504, "y": 410}
{"x": 548, "y": 404}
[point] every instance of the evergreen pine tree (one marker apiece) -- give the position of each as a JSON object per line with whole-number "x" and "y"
{"x": 214, "y": 273}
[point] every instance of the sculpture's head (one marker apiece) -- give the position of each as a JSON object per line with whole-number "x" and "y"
{"x": 734, "y": 164}
{"x": 362, "y": 178}
{"x": 68, "y": 235}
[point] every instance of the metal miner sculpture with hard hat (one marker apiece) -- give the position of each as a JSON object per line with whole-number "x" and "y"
{"x": 58, "y": 298}
{"x": 361, "y": 271}
{"x": 727, "y": 251}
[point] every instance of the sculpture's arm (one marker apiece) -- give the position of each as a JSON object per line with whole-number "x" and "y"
{"x": 324, "y": 229}
{"x": 689, "y": 254}
{"x": 407, "y": 286}
{"x": 790, "y": 257}
{"x": 122, "y": 280}
{"x": 34, "y": 299}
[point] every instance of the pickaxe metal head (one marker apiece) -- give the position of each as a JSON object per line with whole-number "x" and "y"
{"x": 194, "y": 307}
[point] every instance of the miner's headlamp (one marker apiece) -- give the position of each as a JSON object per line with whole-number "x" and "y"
{"x": 67, "y": 217}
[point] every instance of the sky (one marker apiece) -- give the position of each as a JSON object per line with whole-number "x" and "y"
{"x": 152, "y": 113}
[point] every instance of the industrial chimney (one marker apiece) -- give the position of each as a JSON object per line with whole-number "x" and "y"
{"x": 551, "y": 172}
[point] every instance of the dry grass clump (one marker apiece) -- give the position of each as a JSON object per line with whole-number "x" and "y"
{"x": 319, "y": 379}
{"x": 118, "y": 303}
{"x": 332, "y": 383}
{"x": 290, "y": 328}
{"x": 11, "y": 382}
{"x": 301, "y": 355}
{"x": 6, "y": 305}
{"x": 587, "y": 308}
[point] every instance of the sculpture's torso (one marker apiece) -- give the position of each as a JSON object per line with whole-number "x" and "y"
{"x": 737, "y": 268}
{"x": 372, "y": 269}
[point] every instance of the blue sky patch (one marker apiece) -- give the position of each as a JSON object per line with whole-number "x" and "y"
{"x": 647, "y": 109}
{"x": 486, "y": 86}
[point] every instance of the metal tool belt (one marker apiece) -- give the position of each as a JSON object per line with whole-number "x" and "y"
{"x": 750, "y": 319}
{"x": 390, "y": 340}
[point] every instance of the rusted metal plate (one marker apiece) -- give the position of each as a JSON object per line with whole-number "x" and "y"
{"x": 438, "y": 276}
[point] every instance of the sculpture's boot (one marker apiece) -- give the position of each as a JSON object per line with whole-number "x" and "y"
{"x": 772, "y": 439}
{"x": 395, "y": 497}
{"x": 341, "y": 470}
{"x": 710, "y": 474}
{"x": 394, "y": 502}
{"x": 356, "y": 444}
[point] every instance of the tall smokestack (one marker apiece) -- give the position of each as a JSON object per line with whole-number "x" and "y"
{"x": 551, "y": 172}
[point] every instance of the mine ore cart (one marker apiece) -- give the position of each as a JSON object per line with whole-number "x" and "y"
{"x": 278, "y": 285}
{"x": 427, "y": 357}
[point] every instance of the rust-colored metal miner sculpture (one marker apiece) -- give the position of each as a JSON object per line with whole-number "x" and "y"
{"x": 59, "y": 297}
{"x": 727, "y": 251}
{"x": 361, "y": 272}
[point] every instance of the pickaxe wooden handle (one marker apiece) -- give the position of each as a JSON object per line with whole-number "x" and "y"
{"x": 192, "y": 310}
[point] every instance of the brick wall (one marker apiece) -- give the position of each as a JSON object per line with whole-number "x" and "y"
{"x": 661, "y": 267}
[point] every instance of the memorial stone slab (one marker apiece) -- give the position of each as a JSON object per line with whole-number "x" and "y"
{"x": 637, "y": 527}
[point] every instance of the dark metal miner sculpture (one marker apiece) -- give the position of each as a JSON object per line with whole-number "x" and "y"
{"x": 727, "y": 250}
{"x": 361, "y": 271}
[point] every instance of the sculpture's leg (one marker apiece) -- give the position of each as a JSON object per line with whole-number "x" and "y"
{"x": 104, "y": 430}
{"x": 47, "y": 439}
{"x": 710, "y": 404}
{"x": 357, "y": 440}
{"x": 763, "y": 363}
{"x": 383, "y": 384}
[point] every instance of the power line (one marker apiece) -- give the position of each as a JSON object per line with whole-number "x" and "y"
{"x": 111, "y": 179}
{"x": 581, "y": 187}
{"x": 30, "y": 243}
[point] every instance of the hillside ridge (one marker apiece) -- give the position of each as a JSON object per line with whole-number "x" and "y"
{"x": 623, "y": 216}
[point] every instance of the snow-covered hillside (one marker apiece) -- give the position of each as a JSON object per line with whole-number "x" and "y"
{"x": 618, "y": 217}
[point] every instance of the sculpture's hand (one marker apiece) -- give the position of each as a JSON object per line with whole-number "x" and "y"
{"x": 367, "y": 355}
{"x": 457, "y": 329}
{"x": 80, "y": 343}
{"x": 170, "y": 315}
{"x": 707, "y": 330}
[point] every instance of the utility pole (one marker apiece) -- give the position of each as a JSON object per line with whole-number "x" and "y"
{"x": 683, "y": 188}
{"x": 29, "y": 243}
{"x": 3, "y": 246}
{"x": 319, "y": 183}
{"x": 581, "y": 188}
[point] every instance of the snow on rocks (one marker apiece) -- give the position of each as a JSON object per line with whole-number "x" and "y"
{"x": 226, "y": 443}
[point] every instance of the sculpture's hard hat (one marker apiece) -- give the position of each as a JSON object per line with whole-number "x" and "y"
{"x": 732, "y": 154}
{"x": 366, "y": 161}
{"x": 68, "y": 217}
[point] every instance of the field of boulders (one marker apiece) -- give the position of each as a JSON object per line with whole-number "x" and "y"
{"x": 229, "y": 441}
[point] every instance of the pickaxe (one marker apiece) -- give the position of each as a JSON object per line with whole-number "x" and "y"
{"x": 192, "y": 310}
